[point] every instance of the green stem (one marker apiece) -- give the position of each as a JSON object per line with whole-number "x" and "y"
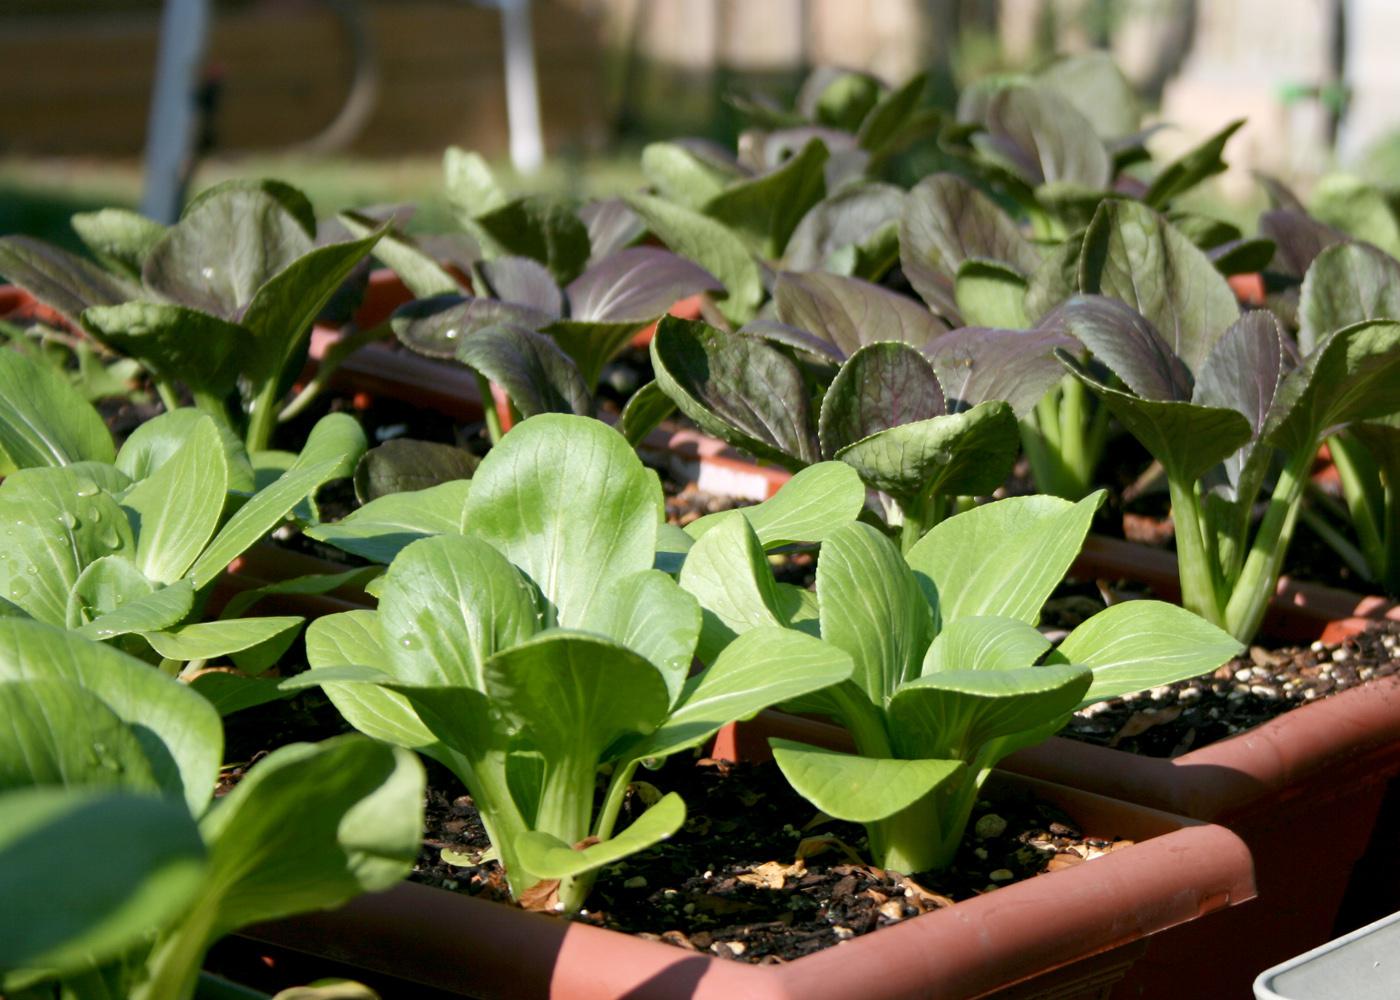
{"x": 1390, "y": 570}
{"x": 612, "y": 802}
{"x": 169, "y": 398}
{"x": 920, "y": 515}
{"x": 920, "y": 838}
{"x": 263, "y": 418}
{"x": 1359, "y": 478}
{"x": 1073, "y": 432}
{"x": 1250, "y": 594}
{"x": 1337, "y": 542}
{"x": 333, "y": 359}
{"x": 488, "y": 406}
{"x": 1201, "y": 586}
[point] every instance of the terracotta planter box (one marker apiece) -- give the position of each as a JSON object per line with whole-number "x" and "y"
{"x": 1303, "y": 790}
{"x": 1069, "y": 934}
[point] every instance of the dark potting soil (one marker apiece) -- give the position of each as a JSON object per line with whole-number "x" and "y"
{"x": 756, "y": 875}
{"x": 1246, "y": 692}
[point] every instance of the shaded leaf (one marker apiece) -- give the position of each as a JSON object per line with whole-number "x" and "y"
{"x": 849, "y": 313}
{"x": 636, "y": 285}
{"x": 882, "y": 385}
{"x": 976, "y": 365}
{"x": 535, "y": 373}
{"x": 381, "y": 528}
{"x": 403, "y": 465}
{"x": 736, "y": 388}
{"x": 961, "y": 454}
{"x": 65, "y": 283}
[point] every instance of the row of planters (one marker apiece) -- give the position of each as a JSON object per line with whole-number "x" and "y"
{"x": 903, "y": 315}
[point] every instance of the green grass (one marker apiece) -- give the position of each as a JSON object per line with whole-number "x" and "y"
{"x": 37, "y": 196}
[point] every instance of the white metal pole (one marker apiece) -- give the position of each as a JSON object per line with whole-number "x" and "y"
{"x": 184, "y": 27}
{"x": 522, "y": 87}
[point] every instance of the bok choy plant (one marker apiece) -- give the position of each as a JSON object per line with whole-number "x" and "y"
{"x": 1350, "y": 284}
{"x": 547, "y": 346}
{"x": 1223, "y": 400}
{"x": 538, "y": 645}
{"x": 123, "y": 545}
{"x": 97, "y": 741}
{"x": 222, "y": 302}
{"x": 853, "y": 372}
{"x": 951, "y": 673}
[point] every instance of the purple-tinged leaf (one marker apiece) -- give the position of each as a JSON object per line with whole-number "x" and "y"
{"x": 1243, "y": 372}
{"x": 881, "y": 386}
{"x": 790, "y": 336}
{"x": 1298, "y": 239}
{"x": 959, "y": 454}
{"x": 457, "y": 250}
{"x": 611, "y": 226}
{"x": 849, "y": 313}
{"x": 736, "y": 388}
{"x": 847, "y": 218}
{"x": 946, "y": 222}
{"x": 976, "y": 364}
{"x": 520, "y": 281}
{"x": 224, "y": 248}
{"x": 535, "y": 373}
{"x": 1347, "y": 283}
{"x": 1043, "y": 139}
{"x": 1187, "y": 438}
{"x": 1134, "y": 255}
{"x": 62, "y": 281}
{"x": 437, "y": 326}
{"x": 1281, "y": 196}
{"x": 1121, "y": 338}
{"x": 636, "y": 285}
{"x": 712, "y": 246}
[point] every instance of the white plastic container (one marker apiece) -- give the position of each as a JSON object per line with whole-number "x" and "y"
{"x": 1362, "y": 965}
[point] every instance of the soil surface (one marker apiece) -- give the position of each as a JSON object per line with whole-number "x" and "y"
{"x": 1246, "y": 692}
{"x": 756, "y": 874}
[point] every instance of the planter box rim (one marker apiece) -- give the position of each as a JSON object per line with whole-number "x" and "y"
{"x": 1186, "y": 870}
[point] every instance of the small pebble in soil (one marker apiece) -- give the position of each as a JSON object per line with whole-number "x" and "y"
{"x": 1246, "y": 692}
{"x": 784, "y": 889}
